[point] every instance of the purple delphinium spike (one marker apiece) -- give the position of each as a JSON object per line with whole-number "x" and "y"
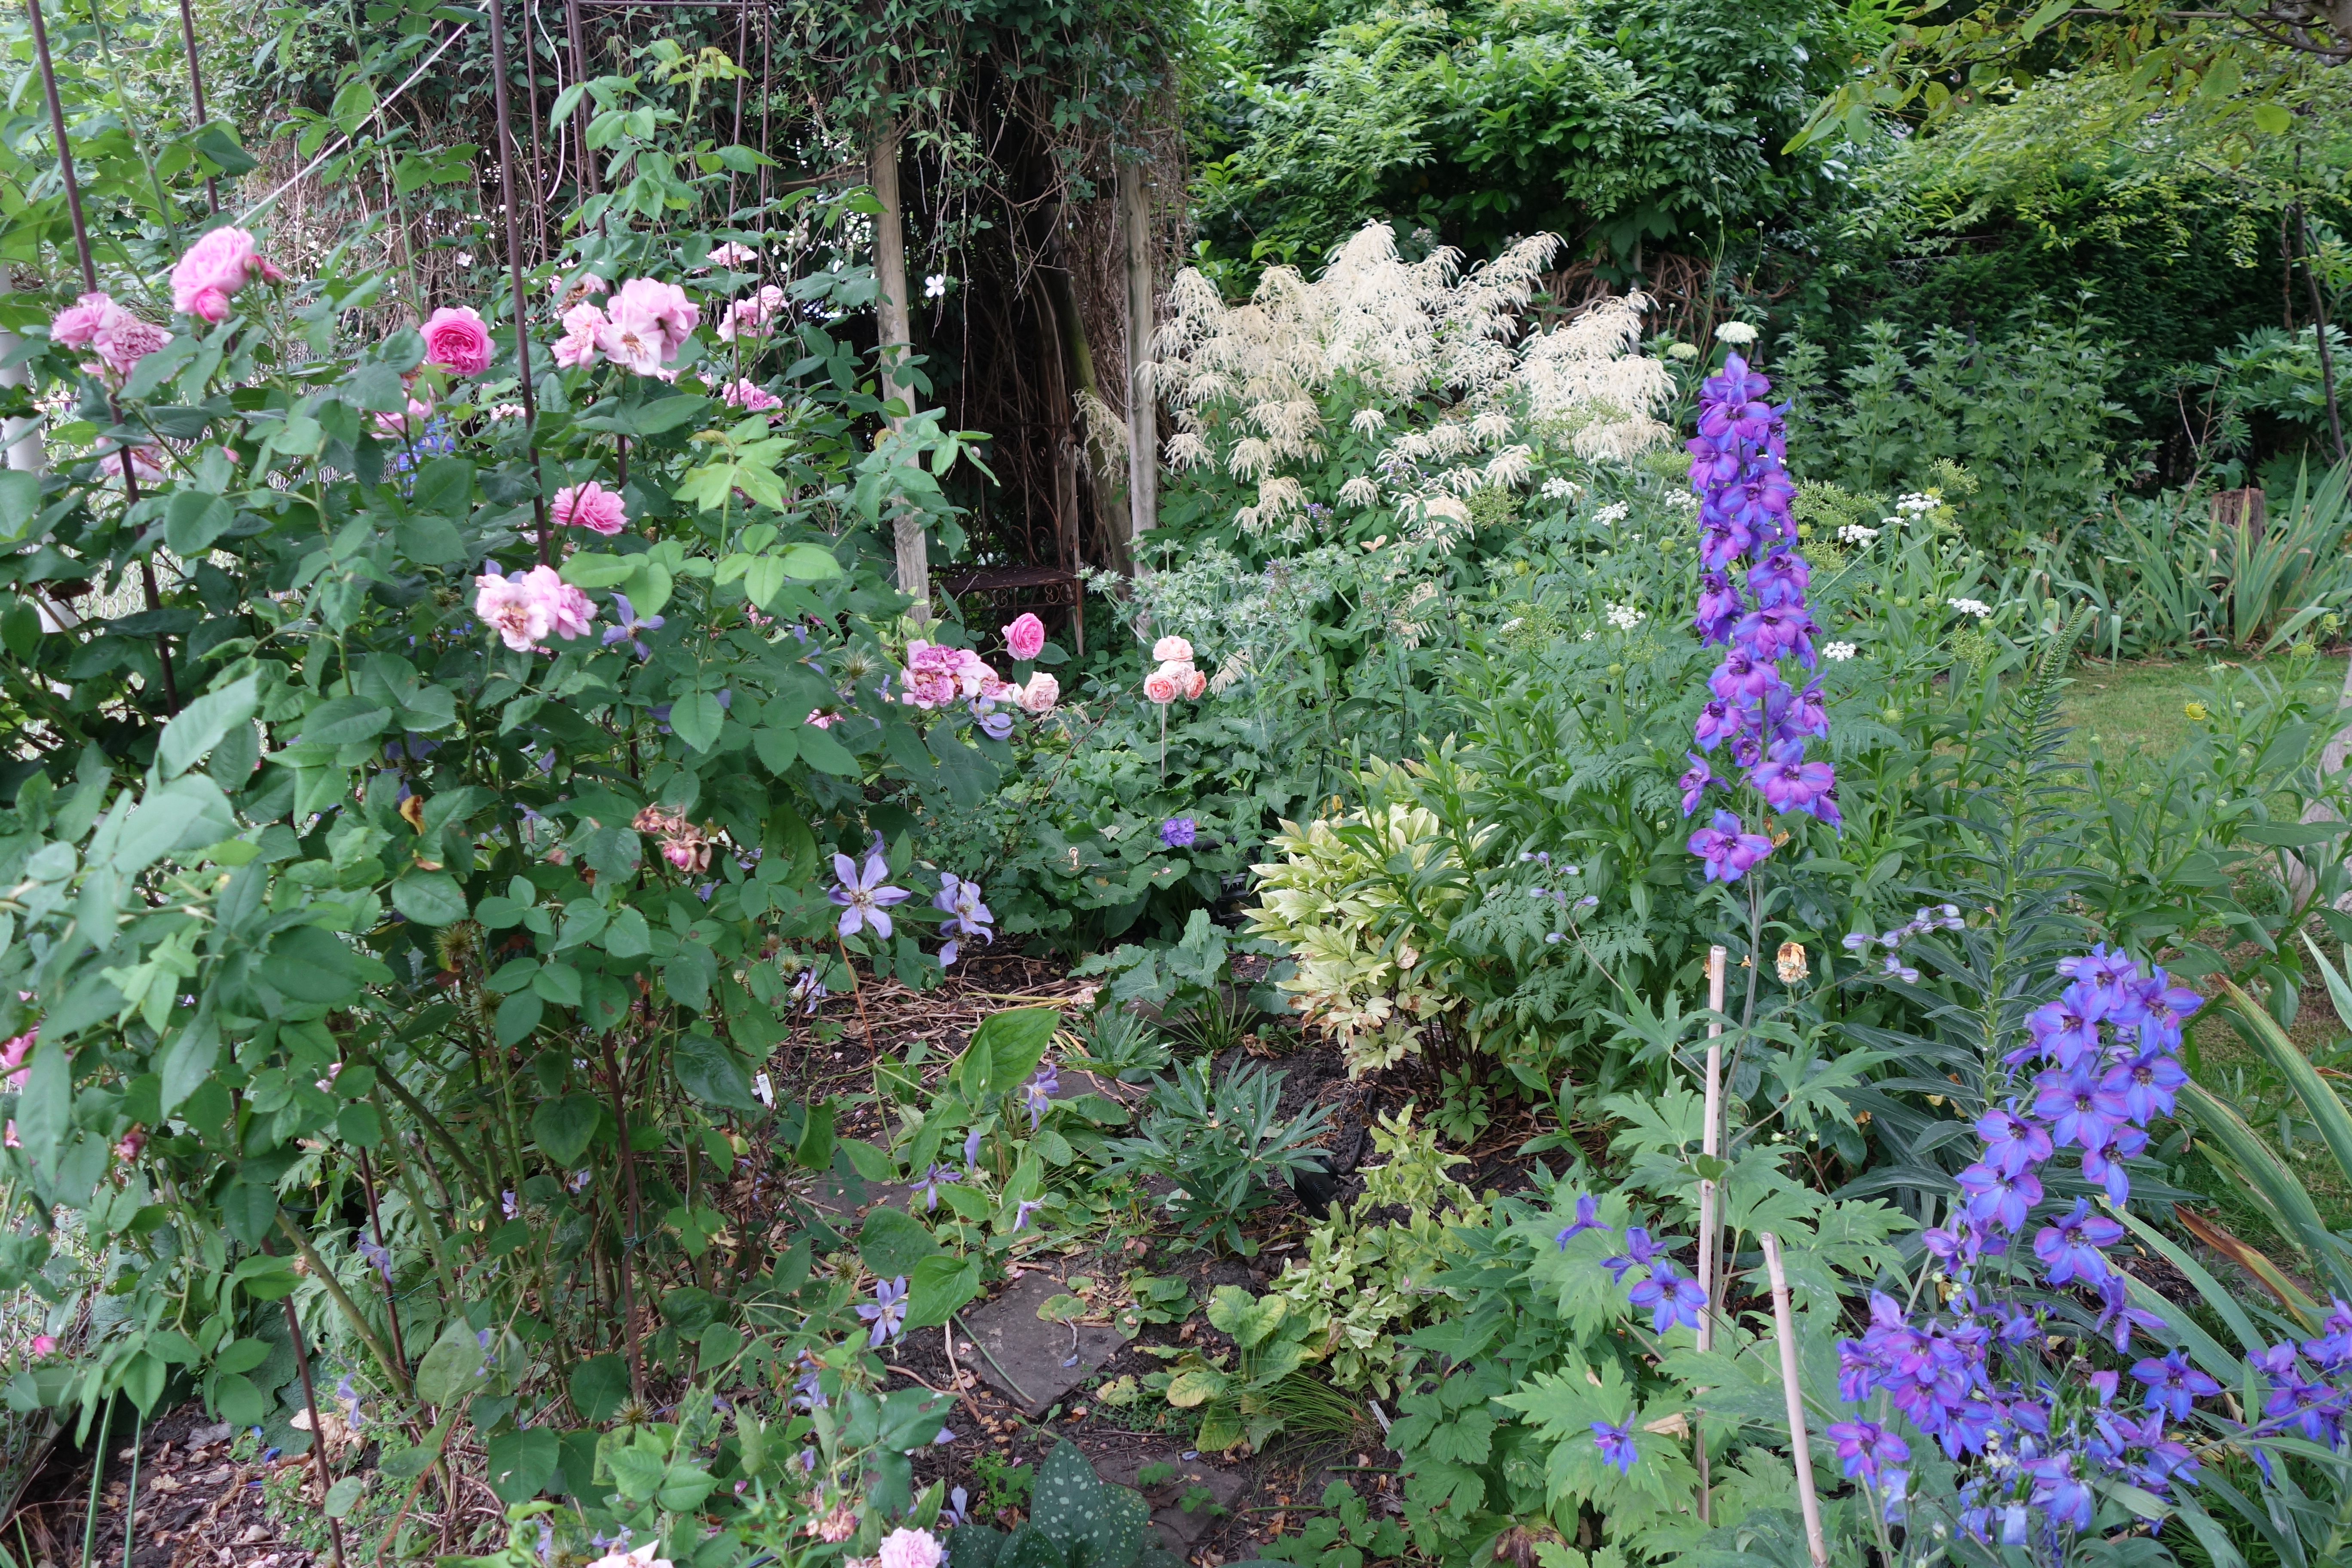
{"x": 1738, "y": 470}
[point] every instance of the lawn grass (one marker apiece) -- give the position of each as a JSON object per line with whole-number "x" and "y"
{"x": 2143, "y": 704}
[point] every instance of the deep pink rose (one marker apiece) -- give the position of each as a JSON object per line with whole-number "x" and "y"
{"x": 221, "y": 262}
{"x": 1026, "y": 637}
{"x": 74, "y": 326}
{"x": 458, "y": 339}
{"x": 590, "y": 506}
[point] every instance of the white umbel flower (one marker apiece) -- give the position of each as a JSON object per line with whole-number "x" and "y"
{"x": 1739, "y": 334}
{"x": 1838, "y": 652}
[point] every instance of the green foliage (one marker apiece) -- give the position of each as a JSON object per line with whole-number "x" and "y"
{"x": 1076, "y": 1521}
{"x": 1364, "y": 1280}
{"x": 2031, "y": 415}
{"x": 1344, "y": 1538}
{"x": 1221, "y": 1143}
{"x": 1650, "y": 119}
{"x": 1245, "y": 1397}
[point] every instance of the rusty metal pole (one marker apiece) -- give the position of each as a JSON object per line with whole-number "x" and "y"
{"x": 514, "y": 272}
{"x": 579, "y": 109}
{"x": 89, "y": 286}
{"x": 196, "y": 89}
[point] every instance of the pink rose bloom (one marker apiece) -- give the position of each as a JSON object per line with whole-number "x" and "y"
{"x": 590, "y": 506}
{"x": 577, "y": 346}
{"x": 662, "y": 306}
{"x": 750, "y": 317}
{"x": 132, "y": 1142}
{"x": 1160, "y": 686}
{"x": 43, "y": 1344}
{"x": 1026, "y": 637}
{"x": 633, "y": 340}
{"x": 221, "y": 262}
{"x": 569, "y": 612}
{"x": 146, "y": 466}
{"x": 77, "y": 325}
{"x": 514, "y": 610}
{"x": 936, "y": 675}
{"x": 820, "y": 719}
{"x": 733, "y": 254}
{"x": 1041, "y": 694}
{"x": 910, "y": 1549}
{"x": 457, "y": 339}
{"x": 12, "y": 1058}
{"x": 400, "y": 426}
{"x": 122, "y": 340}
{"x": 1194, "y": 687}
{"x": 749, "y": 395}
{"x": 585, "y": 284}
{"x": 1172, "y": 650}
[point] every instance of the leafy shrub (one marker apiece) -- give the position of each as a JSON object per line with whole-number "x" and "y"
{"x": 1365, "y": 1282}
{"x": 1258, "y": 1390}
{"x": 1222, "y": 1143}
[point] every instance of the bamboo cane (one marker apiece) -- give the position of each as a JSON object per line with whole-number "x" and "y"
{"x": 1799, "y": 1445}
{"x": 1710, "y": 1142}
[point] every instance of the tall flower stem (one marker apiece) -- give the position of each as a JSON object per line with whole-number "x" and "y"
{"x": 628, "y": 1237}
{"x": 89, "y": 286}
{"x": 1800, "y": 1445}
{"x": 311, "y": 1394}
{"x": 391, "y": 1297}
{"x": 196, "y": 91}
{"x": 507, "y": 149}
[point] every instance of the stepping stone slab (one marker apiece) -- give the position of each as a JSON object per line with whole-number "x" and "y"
{"x": 1178, "y": 1530}
{"x": 1025, "y": 1355}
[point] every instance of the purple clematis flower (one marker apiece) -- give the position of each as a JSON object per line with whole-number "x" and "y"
{"x": 887, "y": 1311}
{"x": 865, "y": 899}
{"x": 632, "y": 627}
{"x": 967, "y": 916}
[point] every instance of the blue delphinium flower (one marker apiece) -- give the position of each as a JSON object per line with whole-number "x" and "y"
{"x": 1616, "y": 1443}
{"x": 1587, "y": 1217}
{"x": 1738, "y": 470}
{"x": 374, "y": 1256}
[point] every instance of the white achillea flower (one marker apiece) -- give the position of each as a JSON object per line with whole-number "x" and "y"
{"x": 1856, "y": 534}
{"x": 1557, "y": 488}
{"x": 1739, "y": 334}
{"x": 1839, "y": 652}
{"x": 1625, "y": 618}
{"x": 1976, "y": 607}
{"x": 1610, "y": 516}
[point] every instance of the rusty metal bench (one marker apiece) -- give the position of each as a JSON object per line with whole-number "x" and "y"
{"x": 1009, "y": 590}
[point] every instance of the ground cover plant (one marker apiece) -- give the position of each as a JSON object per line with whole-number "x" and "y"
{"x": 1640, "y": 929}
